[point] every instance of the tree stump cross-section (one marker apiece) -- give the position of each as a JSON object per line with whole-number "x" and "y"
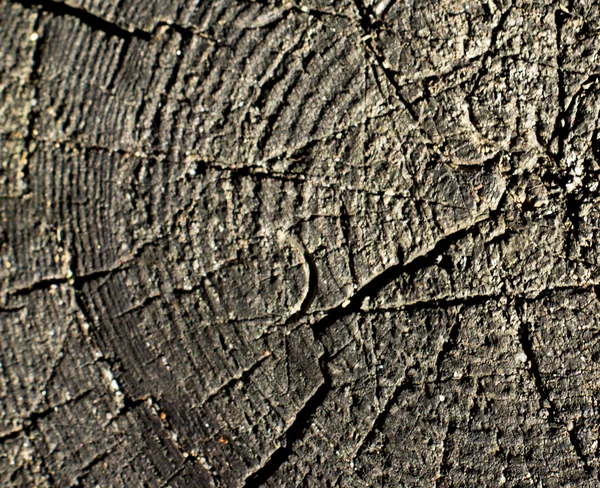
{"x": 309, "y": 243}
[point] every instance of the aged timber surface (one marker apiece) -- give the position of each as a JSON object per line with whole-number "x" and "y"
{"x": 309, "y": 243}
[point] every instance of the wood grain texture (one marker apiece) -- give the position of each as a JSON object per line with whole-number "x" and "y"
{"x": 303, "y": 243}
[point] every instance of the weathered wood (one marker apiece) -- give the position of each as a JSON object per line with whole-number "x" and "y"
{"x": 299, "y": 244}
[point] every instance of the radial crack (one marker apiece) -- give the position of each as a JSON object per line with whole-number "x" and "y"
{"x": 62, "y": 9}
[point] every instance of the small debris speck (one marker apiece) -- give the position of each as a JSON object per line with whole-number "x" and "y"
{"x": 521, "y": 357}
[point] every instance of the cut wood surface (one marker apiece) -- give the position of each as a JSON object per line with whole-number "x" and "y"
{"x": 308, "y": 244}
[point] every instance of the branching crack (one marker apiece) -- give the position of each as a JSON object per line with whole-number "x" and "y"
{"x": 77, "y": 280}
{"x": 243, "y": 376}
{"x": 346, "y": 229}
{"x": 295, "y": 431}
{"x": 369, "y": 27}
{"x": 87, "y": 469}
{"x": 443, "y": 467}
{"x": 448, "y": 345}
{"x": 371, "y": 288}
{"x": 546, "y": 402}
{"x": 45, "y": 283}
{"x": 30, "y": 423}
{"x": 353, "y": 305}
{"x": 383, "y": 414}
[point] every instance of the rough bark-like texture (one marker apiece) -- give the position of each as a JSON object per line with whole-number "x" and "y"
{"x": 314, "y": 243}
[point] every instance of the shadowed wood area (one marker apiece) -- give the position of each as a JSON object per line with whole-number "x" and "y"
{"x": 255, "y": 243}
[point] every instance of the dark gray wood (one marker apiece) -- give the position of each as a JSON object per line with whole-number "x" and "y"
{"x": 305, "y": 243}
